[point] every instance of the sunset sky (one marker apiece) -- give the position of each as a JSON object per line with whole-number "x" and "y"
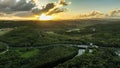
{"x": 73, "y": 8}
{"x": 78, "y": 6}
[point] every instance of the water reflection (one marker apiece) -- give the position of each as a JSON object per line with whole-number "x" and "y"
{"x": 81, "y": 51}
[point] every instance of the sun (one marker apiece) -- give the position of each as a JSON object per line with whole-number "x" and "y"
{"x": 45, "y": 17}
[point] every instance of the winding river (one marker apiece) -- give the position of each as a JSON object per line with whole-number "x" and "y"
{"x": 80, "y": 51}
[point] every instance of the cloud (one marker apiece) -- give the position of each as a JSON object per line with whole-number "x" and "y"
{"x": 92, "y": 14}
{"x": 9, "y": 6}
{"x": 98, "y": 14}
{"x": 45, "y": 9}
{"x": 23, "y": 5}
{"x": 22, "y": 13}
{"x": 51, "y": 8}
{"x": 58, "y": 7}
{"x": 63, "y": 2}
{"x": 30, "y": 7}
{"x": 114, "y": 13}
{"x": 2, "y": 14}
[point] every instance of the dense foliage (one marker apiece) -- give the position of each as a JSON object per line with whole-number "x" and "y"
{"x": 99, "y": 58}
{"x": 38, "y": 43}
{"x": 36, "y": 57}
{"x": 30, "y": 36}
{"x": 3, "y": 46}
{"x": 104, "y": 34}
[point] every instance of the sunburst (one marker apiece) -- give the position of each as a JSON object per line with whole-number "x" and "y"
{"x": 45, "y": 17}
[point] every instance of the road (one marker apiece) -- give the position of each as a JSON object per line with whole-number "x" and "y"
{"x": 7, "y": 49}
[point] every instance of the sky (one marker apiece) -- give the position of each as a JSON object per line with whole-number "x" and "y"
{"x": 73, "y": 8}
{"x": 90, "y": 5}
{"x": 78, "y": 6}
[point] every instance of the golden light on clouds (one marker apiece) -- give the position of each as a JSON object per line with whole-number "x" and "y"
{"x": 17, "y": 18}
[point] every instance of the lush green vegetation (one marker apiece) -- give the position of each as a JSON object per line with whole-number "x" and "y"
{"x": 4, "y": 31}
{"x": 2, "y": 47}
{"x": 31, "y": 53}
{"x": 22, "y": 36}
{"x": 36, "y": 57}
{"x": 31, "y": 44}
{"x": 99, "y": 58}
{"x": 27, "y": 32}
{"x": 30, "y": 36}
{"x": 37, "y": 33}
{"x": 105, "y": 34}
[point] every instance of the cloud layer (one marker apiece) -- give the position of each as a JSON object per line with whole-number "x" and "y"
{"x": 115, "y": 12}
{"x": 9, "y": 6}
{"x": 27, "y": 8}
{"x": 50, "y": 8}
{"x": 92, "y": 14}
{"x": 30, "y": 7}
{"x": 98, "y": 14}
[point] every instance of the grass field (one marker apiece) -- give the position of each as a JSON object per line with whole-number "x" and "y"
{"x": 5, "y": 30}
{"x": 31, "y": 53}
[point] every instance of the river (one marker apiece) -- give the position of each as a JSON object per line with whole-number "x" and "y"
{"x": 81, "y": 51}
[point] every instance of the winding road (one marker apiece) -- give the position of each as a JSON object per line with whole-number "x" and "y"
{"x": 7, "y": 49}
